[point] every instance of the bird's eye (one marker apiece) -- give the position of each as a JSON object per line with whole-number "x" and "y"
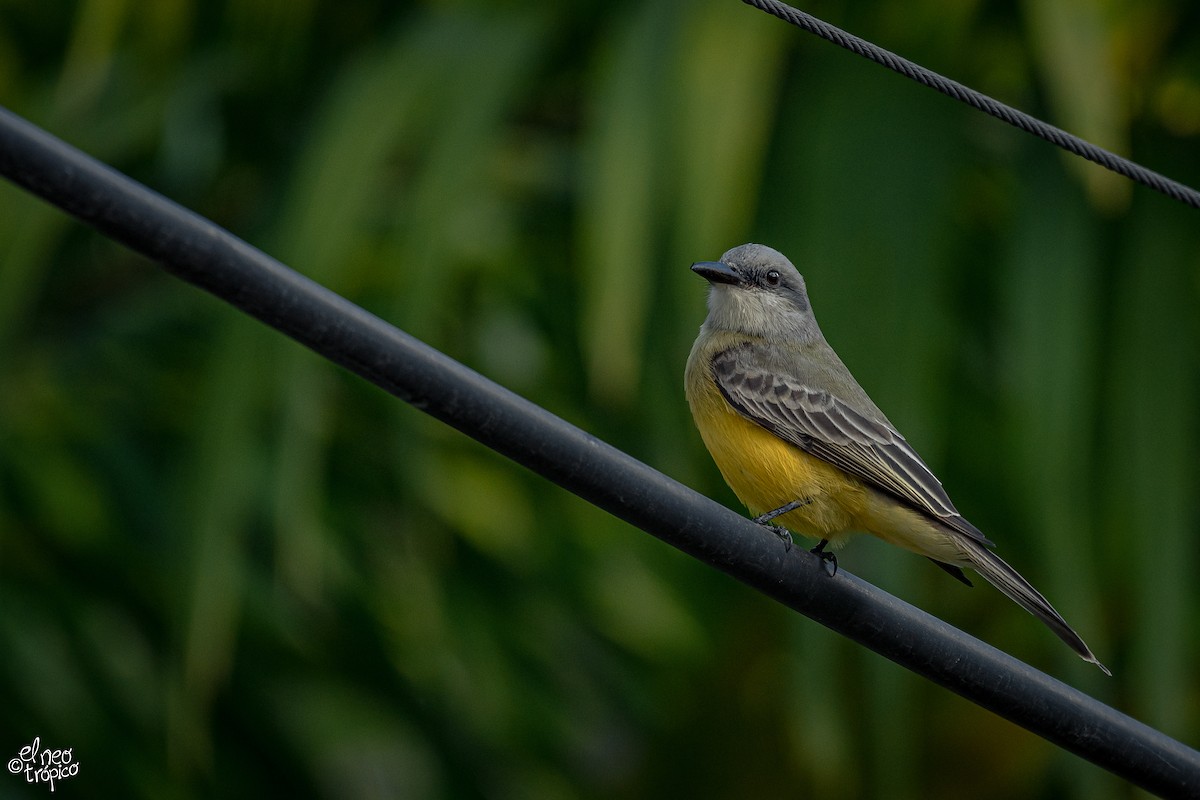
{"x": 773, "y": 277}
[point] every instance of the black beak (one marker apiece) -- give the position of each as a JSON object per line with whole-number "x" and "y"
{"x": 717, "y": 272}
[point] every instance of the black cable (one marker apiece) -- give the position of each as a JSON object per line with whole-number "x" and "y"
{"x": 204, "y": 254}
{"x": 978, "y": 100}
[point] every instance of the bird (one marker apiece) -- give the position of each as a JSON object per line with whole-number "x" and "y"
{"x": 805, "y": 449}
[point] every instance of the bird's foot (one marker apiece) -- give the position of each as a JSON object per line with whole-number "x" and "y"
{"x": 784, "y": 535}
{"x": 763, "y": 519}
{"x": 828, "y": 559}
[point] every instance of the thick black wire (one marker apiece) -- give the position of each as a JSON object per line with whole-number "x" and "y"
{"x": 198, "y": 251}
{"x": 1071, "y": 143}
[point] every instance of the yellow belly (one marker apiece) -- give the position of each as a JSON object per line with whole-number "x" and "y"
{"x": 767, "y": 473}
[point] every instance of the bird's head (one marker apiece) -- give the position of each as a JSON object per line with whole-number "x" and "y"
{"x": 756, "y": 290}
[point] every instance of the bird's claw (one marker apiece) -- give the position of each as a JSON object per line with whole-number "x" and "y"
{"x": 784, "y": 535}
{"x": 829, "y": 560}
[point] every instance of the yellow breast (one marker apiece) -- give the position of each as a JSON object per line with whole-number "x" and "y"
{"x": 766, "y": 473}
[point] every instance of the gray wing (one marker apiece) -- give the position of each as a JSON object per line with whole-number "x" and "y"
{"x": 828, "y": 428}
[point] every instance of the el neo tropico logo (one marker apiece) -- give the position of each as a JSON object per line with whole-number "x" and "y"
{"x": 43, "y": 766}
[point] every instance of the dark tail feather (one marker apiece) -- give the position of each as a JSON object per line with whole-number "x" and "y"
{"x": 954, "y": 571}
{"x": 1008, "y": 580}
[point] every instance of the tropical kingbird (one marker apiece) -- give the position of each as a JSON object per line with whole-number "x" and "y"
{"x": 801, "y": 443}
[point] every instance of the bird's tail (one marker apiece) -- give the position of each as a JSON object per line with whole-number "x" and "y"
{"x": 1008, "y": 580}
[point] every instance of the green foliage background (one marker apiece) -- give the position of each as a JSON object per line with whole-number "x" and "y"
{"x": 227, "y": 568}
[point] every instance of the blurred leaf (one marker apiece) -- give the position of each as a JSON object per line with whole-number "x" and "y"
{"x": 1075, "y": 46}
{"x": 1151, "y": 468}
{"x": 620, "y": 196}
{"x": 226, "y": 460}
{"x": 486, "y": 504}
{"x": 1050, "y": 376}
{"x": 351, "y": 746}
{"x": 728, "y": 74}
{"x": 641, "y": 611}
{"x": 89, "y": 59}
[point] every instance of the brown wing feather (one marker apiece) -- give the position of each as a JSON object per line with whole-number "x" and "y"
{"x": 828, "y": 428}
